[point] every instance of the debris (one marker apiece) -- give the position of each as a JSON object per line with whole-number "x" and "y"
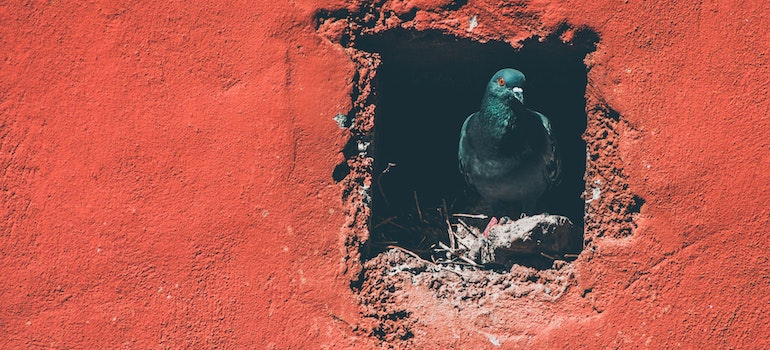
{"x": 471, "y": 216}
{"x": 545, "y": 235}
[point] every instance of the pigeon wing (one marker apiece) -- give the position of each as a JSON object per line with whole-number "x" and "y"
{"x": 463, "y": 153}
{"x": 552, "y": 159}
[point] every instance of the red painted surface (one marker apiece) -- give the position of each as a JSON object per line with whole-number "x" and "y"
{"x": 167, "y": 176}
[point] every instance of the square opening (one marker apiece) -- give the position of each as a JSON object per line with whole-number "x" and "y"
{"x": 412, "y": 90}
{"x": 427, "y": 84}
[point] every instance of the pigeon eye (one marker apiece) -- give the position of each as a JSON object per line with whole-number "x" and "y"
{"x": 501, "y": 81}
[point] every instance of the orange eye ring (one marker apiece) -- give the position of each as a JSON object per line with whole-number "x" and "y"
{"x": 501, "y": 81}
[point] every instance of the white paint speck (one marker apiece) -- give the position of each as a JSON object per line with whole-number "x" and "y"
{"x": 596, "y": 193}
{"x": 341, "y": 120}
{"x": 364, "y": 191}
{"x": 493, "y": 339}
{"x": 363, "y": 146}
{"x": 473, "y": 22}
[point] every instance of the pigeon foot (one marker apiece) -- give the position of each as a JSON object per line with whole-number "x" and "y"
{"x": 492, "y": 223}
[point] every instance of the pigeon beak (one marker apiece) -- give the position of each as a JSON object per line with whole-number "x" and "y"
{"x": 518, "y": 93}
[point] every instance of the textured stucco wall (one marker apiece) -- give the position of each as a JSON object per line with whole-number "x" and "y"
{"x": 167, "y": 175}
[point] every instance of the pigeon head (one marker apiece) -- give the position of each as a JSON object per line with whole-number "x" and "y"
{"x": 507, "y": 84}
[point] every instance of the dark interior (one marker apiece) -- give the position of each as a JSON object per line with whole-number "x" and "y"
{"x": 427, "y": 85}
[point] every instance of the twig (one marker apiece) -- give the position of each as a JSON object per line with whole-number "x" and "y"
{"x": 408, "y": 252}
{"x": 571, "y": 256}
{"x": 450, "y": 270}
{"x": 468, "y": 228}
{"x": 379, "y": 184}
{"x": 456, "y": 263}
{"x": 397, "y": 225}
{"x": 469, "y": 261}
{"x": 471, "y": 216}
{"x": 417, "y": 204}
{"x": 384, "y": 222}
{"x": 451, "y": 233}
{"x": 384, "y": 243}
{"x": 547, "y": 256}
{"x": 444, "y": 246}
{"x": 422, "y": 241}
{"x": 460, "y": 242}
{"x": 452, "y": 205}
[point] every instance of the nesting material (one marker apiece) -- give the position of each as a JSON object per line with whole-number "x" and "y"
{"x": 533, "y": 235}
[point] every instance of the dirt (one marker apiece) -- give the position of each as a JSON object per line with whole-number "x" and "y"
{"x": 398, "y": 287}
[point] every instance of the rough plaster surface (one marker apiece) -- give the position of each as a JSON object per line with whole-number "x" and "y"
{"x": 167, "y": 178}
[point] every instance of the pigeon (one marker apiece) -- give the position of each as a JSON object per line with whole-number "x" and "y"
{"x": 507, "y": 151}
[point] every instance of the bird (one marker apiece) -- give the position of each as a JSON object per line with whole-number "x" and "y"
{"x": 507, "y": 152}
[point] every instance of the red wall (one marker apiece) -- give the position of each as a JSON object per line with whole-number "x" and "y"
{"x": 167, "y": 175}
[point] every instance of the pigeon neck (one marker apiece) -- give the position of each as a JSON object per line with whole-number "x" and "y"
{"x": 498, "y": 113}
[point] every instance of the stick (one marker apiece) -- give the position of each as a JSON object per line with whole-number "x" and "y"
{"x": 547, "y": 256}
{"x": 467, "y": 227}
{"x": 384, "y": 243}
{"x": 379, "y": 184}
{"x": 408, "y": 252}
{"x": 471, "y": 216}
{"x": 459, "y": 242}
{"x": 417, "y": 203}
{"x": 384, "y": 222}
{"x": 397, "y": 225}
{"x": 455, "y": 263}
{"x": 451, "y": 233}
{"x": 469, "y": 261}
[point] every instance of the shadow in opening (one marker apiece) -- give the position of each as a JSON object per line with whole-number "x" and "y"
{"x": 427, "y": 85}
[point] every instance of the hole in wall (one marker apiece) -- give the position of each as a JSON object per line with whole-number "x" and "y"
{"x": 427, "y": 84}
{"x": 379, "y": 279}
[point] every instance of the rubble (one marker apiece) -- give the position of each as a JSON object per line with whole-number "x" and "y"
{"x": 532, "y": 235}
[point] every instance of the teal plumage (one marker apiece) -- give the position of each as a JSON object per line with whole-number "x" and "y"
{"x": 507, "y": 152}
